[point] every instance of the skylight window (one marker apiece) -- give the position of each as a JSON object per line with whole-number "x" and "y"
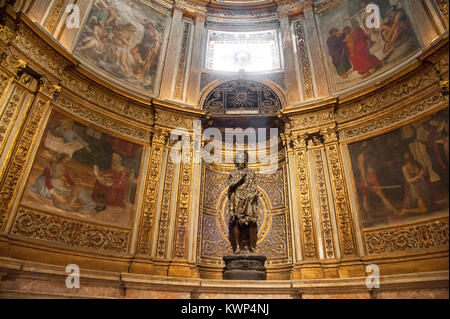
{"x": 250, "y": 51}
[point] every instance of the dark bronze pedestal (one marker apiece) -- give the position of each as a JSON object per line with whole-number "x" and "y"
{"x": 244, "y": 267}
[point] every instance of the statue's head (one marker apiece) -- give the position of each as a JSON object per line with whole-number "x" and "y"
{"x": 241, "y": 160}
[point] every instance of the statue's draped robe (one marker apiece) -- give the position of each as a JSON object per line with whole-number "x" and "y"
{"x": 243, "y": 197}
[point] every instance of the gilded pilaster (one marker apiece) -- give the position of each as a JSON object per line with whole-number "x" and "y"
{"x": 21, "y": 148}
{"x": 340, "y": 194}
{"x": 152, "y": 190}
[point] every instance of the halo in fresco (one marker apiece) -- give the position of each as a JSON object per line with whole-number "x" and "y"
{"x": 356, "y": 53}
{"x": 124, "y": 39}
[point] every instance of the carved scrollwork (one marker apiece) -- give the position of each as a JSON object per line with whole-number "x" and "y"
{"x": 54, "y": 229}
{"x": 425, "y": 235}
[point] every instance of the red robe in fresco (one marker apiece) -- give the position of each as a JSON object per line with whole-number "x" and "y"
{"x": 362, "y": 60}
{"x": 115, "y": 194}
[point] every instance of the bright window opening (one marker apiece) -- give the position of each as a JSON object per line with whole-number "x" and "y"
{"x": 249, "y": 51}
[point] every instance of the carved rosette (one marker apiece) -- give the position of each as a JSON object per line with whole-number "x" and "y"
{"x": 151, "y": 190}
{"x": 304, "y": 197}
{"x": 340, "y": 193}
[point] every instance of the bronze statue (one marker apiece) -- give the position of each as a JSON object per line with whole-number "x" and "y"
{"x": 243, "y": 207}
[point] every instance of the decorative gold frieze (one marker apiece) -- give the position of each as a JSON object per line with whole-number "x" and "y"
{"x": 103, "y": 120}
{"x": 393, "y": 118}
{"x": 58, "y": 230}
{"x": 39, "y": 52}
{"x": 387, "y": 97}
{"x": 88, "y": 90}
{"x": 408, "y": 237}
{"x": 312, "y": 119}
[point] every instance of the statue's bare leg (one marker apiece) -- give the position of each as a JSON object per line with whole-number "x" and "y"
{"x": 253, "y": 236}
{"x": 236, "y": 237}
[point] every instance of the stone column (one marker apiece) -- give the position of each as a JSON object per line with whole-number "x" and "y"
{"x": 417, "y": 13}
{"x": 292, "y": 76}
{"x": 318, "y": 65}
{"x": 193, "y": 86}
{"x": 170, "y": 62}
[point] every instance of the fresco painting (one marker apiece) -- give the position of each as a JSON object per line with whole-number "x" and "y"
{"x": 402, "y": 176}
{"x": 83, "y": 173}
{"x": 357, "y": 51}
{"x": 123, "y": 38}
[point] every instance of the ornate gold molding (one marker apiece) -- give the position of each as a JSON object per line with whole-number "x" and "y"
{"x": 393, "y": 118}
{"x": 109, "y": 123}
{"x": 408, "y": 237}
{"x": 34, "y": 225}
{"x": 88, "y": 90}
